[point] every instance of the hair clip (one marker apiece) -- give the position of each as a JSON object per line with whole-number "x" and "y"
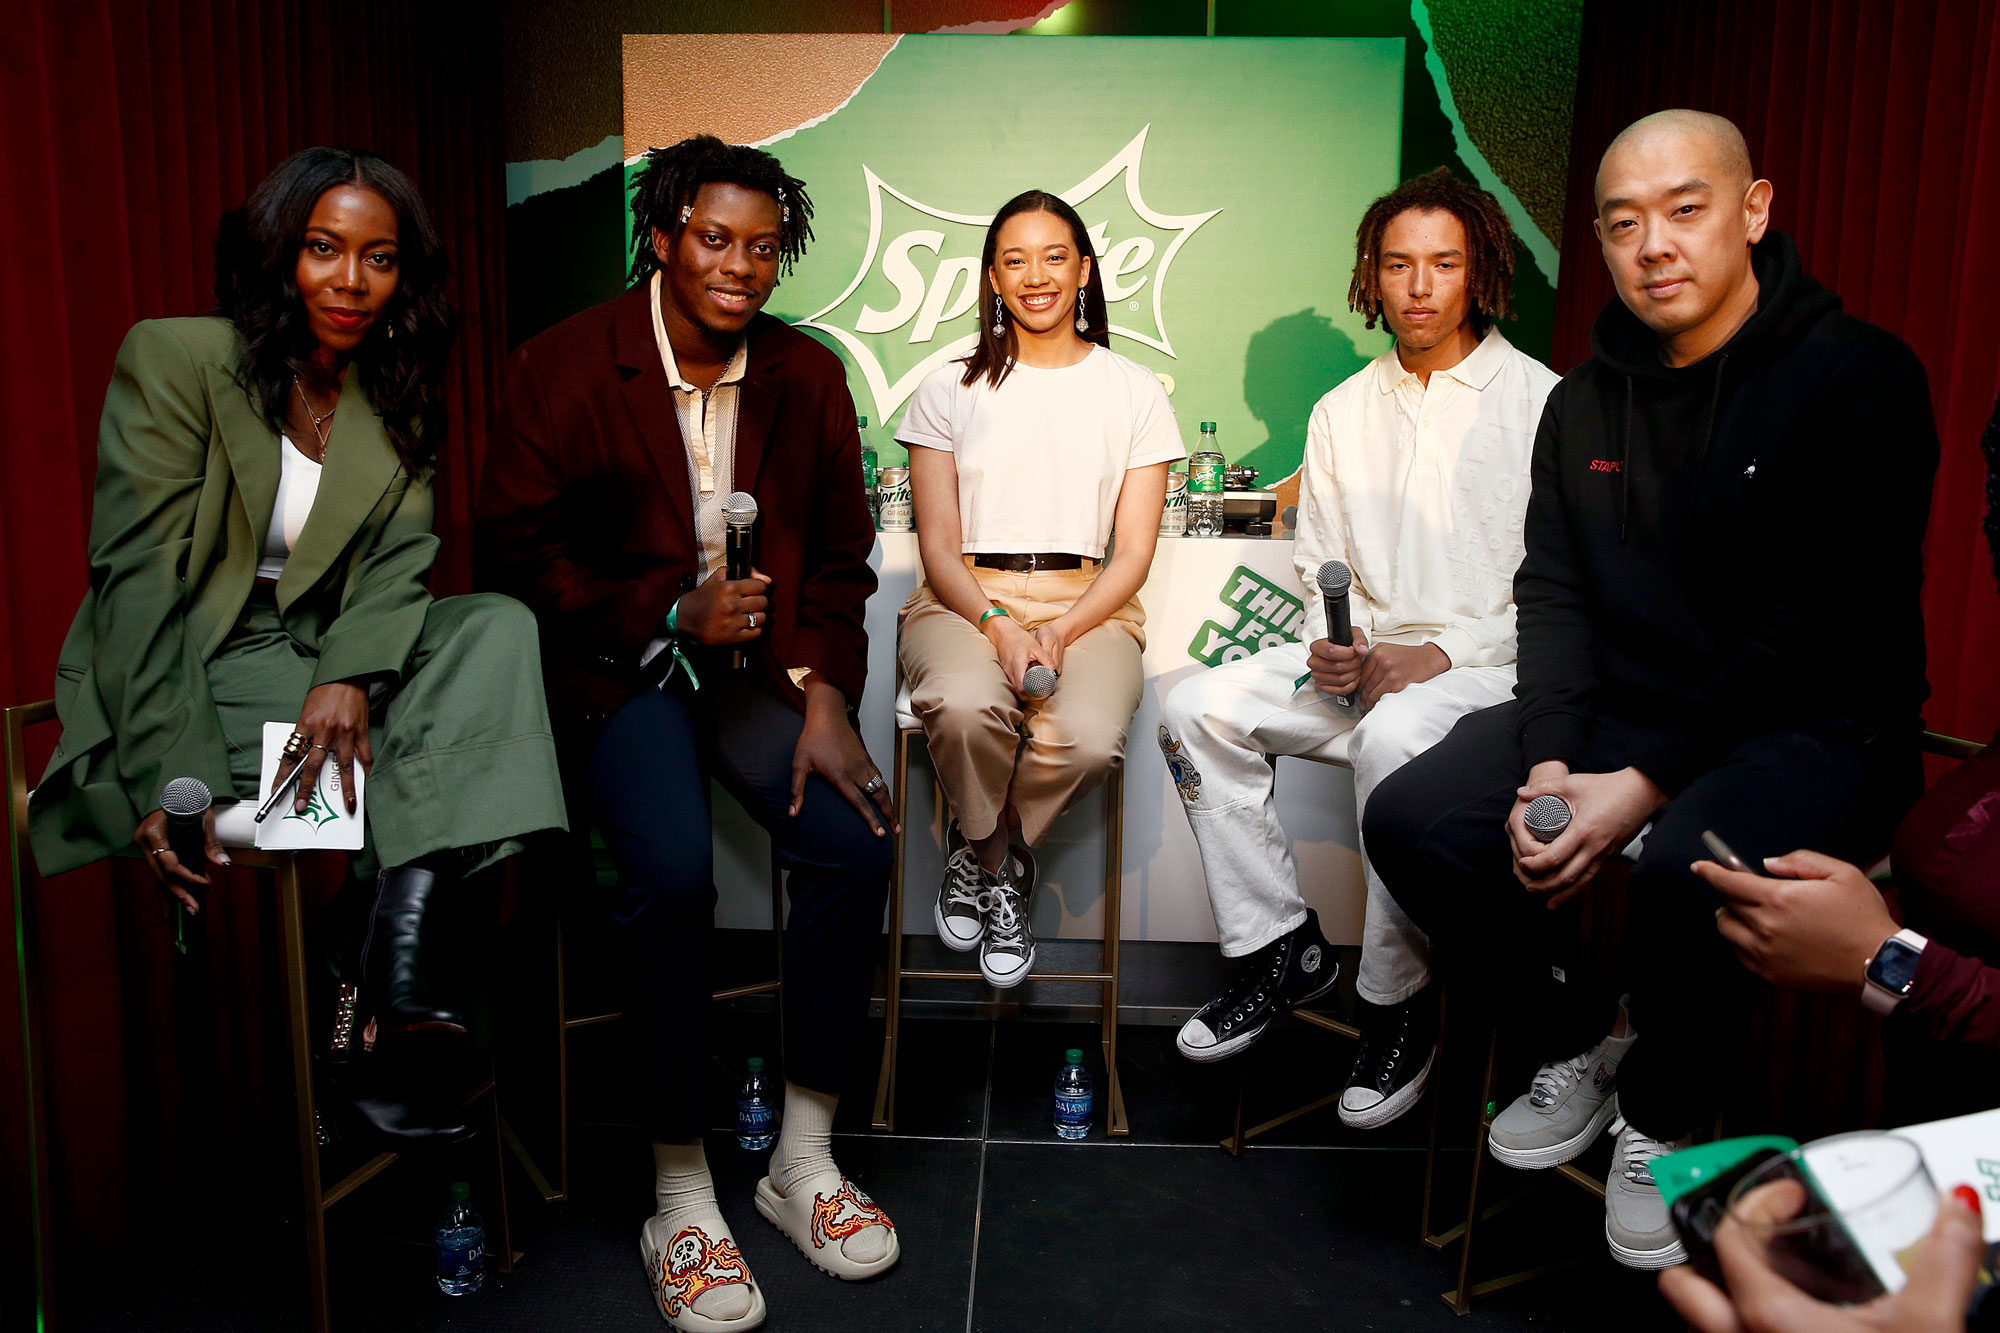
{"x": 687, "y": 211}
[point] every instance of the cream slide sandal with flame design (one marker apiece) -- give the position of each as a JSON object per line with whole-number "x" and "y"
{"x": 687, "y": 1265}
{"x": 834, "y": 1224}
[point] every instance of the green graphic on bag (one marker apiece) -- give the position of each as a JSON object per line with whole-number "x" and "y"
{"x": 1266, "y": 616}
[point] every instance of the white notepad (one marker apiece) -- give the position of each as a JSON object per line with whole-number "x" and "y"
{"x": 325, "y": 825}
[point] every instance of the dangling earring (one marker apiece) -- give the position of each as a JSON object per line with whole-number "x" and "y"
{"x": 1082, "y": 320}
{"x": 999, "y": 316}
{"x": 390, "y": 331}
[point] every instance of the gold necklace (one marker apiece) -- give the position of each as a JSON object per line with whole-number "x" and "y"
{"x": 318, "y": 421}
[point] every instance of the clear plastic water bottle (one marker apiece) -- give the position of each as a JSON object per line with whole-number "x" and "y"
{"x": 868, "y": 462}
{"x": 1204, "y": 501}
{"x": 1073, "y": 1097}
{"x": 756, "y": 1117}
{"x": 461, "y": 1244}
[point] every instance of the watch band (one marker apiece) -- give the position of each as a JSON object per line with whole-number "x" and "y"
{"x": 1879, "y": 998}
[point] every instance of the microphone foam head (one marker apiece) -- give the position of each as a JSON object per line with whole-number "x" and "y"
{"x": 185, "y": 798}
{"x": 1547, "y": 817}
{"x": 1335, "y": 578}
{"x": 1038, "y": 681}
{"x": 739, "y": 508}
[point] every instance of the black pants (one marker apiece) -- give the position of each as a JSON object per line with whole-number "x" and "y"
{"x": 1435, "y": 831}
{"x": 649, "y": 776}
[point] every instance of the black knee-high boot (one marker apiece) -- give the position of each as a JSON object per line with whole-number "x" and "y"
{"x": 389, "y": 956}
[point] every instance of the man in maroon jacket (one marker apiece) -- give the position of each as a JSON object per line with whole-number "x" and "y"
{"x": 623, "y": 431}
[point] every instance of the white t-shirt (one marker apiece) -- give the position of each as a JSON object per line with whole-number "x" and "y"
{"x": 298, "y": 487}
{"x": 1041, "y": 459}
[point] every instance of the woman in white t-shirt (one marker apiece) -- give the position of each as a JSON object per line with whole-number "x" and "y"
{"x": 1025, "y": 457}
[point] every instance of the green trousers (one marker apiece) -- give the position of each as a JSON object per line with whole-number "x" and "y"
{"x": 464, "y": 758}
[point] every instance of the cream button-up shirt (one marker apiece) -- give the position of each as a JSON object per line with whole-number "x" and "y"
{"x": 1422, "y": 490}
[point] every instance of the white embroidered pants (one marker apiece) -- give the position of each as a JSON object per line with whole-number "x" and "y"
{"x": 1222, "y": 730}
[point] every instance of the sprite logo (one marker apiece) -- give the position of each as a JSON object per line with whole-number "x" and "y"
{"x": 1266, "y": 616}
{"x": 920, "y": 273}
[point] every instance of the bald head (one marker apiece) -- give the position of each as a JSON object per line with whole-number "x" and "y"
{"x": 1715, "y": 137}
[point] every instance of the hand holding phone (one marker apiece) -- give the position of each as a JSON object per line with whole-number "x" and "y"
{"x": 1723, "y": 854}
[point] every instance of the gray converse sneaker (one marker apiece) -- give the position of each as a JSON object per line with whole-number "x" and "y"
{"x": 960, "y": 921}
{"x": 1008, "y": 950}
{"x": 1636, "y": 1223}
{"x": 1563, "y": 1111}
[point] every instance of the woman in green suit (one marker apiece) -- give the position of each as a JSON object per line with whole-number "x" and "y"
{"x": 259, "y": 548}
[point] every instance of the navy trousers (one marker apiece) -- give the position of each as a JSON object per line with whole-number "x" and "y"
{"x": 1435, "y": 832}
{"x": 649, "y": 788}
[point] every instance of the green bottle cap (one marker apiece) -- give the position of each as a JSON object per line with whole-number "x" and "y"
{"x": 861, "y": 423}
{"x": 755, "y": 1064}
{"x": 460, "y": 1191}
{"x": 1207, "y": 426}
{"x": 1073, "y": 1056}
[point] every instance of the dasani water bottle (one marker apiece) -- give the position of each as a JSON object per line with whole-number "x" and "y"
{"x": 461, "y": 1244}
{"x": 1073, "y": 1097}
{"x": 756, "y": 1118}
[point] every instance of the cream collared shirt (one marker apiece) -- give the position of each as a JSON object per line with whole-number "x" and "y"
{"x": 708, "y": 425}
{"x": 1422, "y": 490}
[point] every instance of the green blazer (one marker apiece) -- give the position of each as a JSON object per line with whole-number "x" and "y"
{"x": 187, "y": 476}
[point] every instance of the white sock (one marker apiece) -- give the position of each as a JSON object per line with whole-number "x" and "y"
{"x": 684, "y": 1193}
{"x": 805, "y": 1150}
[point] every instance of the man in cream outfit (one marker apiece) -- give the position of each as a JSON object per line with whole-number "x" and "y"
{"x": 1415, "y": 477}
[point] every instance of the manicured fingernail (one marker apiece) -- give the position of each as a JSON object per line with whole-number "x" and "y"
{"x": 224, "y": 858}
{"x": 1969, "y": 1197}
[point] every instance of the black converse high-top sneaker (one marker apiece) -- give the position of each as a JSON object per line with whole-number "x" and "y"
{"x": 1284, "y": 974}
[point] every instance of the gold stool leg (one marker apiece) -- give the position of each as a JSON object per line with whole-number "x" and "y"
{"x": 1116, "y": 1125}
{"x": 892, "y": 1006}
{"x": 33, "y": 1069}
{"x": 292, "y": 942}
{"x": 1460, "y": 1298}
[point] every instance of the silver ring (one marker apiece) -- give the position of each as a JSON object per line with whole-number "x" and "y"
{"x": 873, "y": 785}
{"x": 753, "y": 620}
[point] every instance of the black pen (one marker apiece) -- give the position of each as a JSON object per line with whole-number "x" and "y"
{"x": 289, "y": 781}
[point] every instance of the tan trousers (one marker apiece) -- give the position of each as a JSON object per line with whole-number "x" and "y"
{"x": 992, "y": 748}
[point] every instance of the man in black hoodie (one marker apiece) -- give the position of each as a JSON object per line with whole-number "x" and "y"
{"x": 1719, "y": 630}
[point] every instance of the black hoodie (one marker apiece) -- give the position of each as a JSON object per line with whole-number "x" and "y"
{"x": 1730, "y": 547}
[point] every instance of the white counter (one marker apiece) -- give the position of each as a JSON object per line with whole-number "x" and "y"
{"x": 1164, "y": 894}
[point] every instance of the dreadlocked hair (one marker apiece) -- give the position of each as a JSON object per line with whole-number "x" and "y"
{"x": 673, "y": 176}
{"x": 1489, "y": 238}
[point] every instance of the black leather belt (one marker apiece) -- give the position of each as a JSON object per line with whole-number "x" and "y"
{"x": 1024, "y": 562}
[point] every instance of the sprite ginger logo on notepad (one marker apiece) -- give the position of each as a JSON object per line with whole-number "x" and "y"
{"x": 920, "y": 274}
{"x": 317, "y": 812}
{"x": 1266, "y": 616}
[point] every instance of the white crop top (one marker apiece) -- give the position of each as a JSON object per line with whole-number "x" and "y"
{"x": 298, "y": 487}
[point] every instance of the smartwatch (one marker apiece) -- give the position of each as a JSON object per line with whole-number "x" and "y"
{"x": 1892, "y": 971}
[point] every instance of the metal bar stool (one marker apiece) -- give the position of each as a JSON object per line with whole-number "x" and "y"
{"x": 566, "y": 1022}
{"x": 909, "y": 729}
{"x": 1333, "y": 753}
{"x": 236, "y": 831}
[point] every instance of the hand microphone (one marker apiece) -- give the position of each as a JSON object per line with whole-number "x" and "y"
{"x": 1547, "y": 817}
{"x": 1038, "y": 681}
{"x": 739, "y": 519}
{"x": 1335, "y": 579}
{"x": 184, "y": 802}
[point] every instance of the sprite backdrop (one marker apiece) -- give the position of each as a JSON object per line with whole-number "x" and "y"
{"x": 1222, "y": 181}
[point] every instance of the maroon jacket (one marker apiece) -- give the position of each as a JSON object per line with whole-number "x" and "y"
{"x": 585, "y": 512}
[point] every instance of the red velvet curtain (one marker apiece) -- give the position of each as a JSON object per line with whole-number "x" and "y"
{"x": 126, "y": 129}
{"x": 1879, "y": 126}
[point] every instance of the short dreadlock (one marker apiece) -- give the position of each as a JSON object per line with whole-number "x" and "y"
{"x": 1489, "y": 238}
{"x": 673, "y": 176}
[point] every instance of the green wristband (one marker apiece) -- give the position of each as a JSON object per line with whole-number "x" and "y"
{"x": 991, "y": 612}
{"x": 674, "y": 619}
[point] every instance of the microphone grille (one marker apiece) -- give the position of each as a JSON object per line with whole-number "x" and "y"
{"x": 1335, "y": 578}
{"x": 1547, "y": 817}
{"x": 1038, "y": 681}
{"x": 740, "y": 507}
{"x": 185, "y": 798}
